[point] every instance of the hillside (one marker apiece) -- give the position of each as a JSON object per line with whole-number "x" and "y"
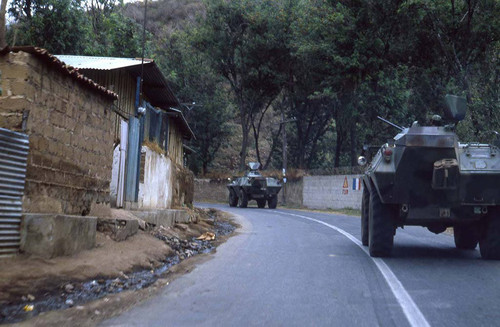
{"x": 165, "y": 16}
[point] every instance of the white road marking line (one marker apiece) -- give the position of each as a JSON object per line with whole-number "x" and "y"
{"x": 410, "y": 309}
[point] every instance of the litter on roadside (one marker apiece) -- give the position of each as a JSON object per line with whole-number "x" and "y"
{"x": 208, "y": 236}
{"x": 28, "y": 307}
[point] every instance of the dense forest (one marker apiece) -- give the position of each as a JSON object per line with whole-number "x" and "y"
{"x": 323, "y": 68}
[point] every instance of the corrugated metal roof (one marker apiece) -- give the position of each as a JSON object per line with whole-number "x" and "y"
{"x": 101, "y": 63}
{"x": 155, "y": 85}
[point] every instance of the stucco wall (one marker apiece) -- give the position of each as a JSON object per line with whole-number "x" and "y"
{"x": 70, "y": 130}
{"x": 113, "y": 187}
{"x": 156, "y": 190}
{"x": 166, "y": 185}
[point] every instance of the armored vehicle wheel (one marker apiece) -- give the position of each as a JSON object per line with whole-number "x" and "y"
{"x": 365, "y": 211}
{"x": 380, "y": 227}
{"x": 272, "y": 202}
{"x": 489, "y": 243}
{"x": 466, "y": 237}
{"x": 233, "y": 199}
{"x": 261, "y": 203}
{"x": 243, "y": 199}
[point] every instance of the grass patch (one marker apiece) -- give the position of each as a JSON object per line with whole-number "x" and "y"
{"x": 153, "y": 146}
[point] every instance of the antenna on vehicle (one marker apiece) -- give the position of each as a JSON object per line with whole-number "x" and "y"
{"x": 392, "y": 124}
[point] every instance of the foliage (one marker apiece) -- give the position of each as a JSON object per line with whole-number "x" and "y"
{"x": 112, "y": 33}
{"x": 75, "y": 27}
{"x": 194, "y": 81}
{"x": 246, "y": 50}
{"x": 330, "y": 67}
{"x": 57, "y": 25}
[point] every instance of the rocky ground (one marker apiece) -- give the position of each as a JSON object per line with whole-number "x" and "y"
{"x": 97, "y": 284}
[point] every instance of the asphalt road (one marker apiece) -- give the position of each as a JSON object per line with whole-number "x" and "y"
{"x": 300, "y": 268}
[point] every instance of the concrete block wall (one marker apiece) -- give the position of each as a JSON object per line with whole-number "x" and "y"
{"x": 331, "y": 192}
{"x": 319, "y": 192}
{"x": 71, "y": 135}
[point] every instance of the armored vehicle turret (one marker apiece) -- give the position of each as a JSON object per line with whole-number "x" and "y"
{"x": 425, "y": 177}
{"x": 254, "y": 186}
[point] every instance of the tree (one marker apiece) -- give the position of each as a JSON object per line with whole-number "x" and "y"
{"x": 238, "y": 36}
{"x": 112, "y": 33}
{"x": 3, "y": 9}
{"x": 97, "y": 27}
{"x": 56, "y": 25}
{"x": 460, "y": 56}
{"x": 194, "y": 80}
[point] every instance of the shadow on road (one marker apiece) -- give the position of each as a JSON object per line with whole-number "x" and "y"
{"x": 414, "y": 251}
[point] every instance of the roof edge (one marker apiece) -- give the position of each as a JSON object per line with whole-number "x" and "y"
{"x": 67, "y": 70}
{"x": 187, "y": 129}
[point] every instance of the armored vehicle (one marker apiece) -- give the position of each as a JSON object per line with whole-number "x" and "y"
{"x": 254, "y": 186}
{"x": 425, "y": 177}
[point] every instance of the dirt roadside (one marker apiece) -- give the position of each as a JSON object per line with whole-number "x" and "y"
{"x": 100, "y": 283}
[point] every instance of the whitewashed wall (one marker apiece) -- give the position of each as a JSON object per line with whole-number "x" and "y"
{"x": 157, "y": 190}
{"x": 113, "y": 186}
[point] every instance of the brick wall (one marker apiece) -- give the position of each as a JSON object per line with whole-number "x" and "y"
{"x": 70, "y": 129}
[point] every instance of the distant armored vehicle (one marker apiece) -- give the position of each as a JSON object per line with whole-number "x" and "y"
{"x": 254, "y": 186}
{"x": 426, "y": 177}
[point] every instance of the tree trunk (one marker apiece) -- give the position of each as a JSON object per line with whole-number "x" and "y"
{"x": 273, "y": 148}
{"x": 204, "y": 168}
{"x": 3, "y": 7}
{"x": 244, "y": 142}
{"x": 352, "y": 134}
{"x": 338, "y": 148}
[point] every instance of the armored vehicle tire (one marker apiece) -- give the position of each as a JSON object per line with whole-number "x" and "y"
{"x": 261, "y": 203}
{"x": 243, "y": 199}
{"x": 365, "y": 211}
{"x": 466, "y": 237}
{"x": 489, "y": 244}
{"x": 272, "y": 202}
{"x": 380, "y": 227}
{"x": 233, "y": 199}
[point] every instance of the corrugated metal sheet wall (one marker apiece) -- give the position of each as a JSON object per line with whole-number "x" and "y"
{"x": 14, "y": 149}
